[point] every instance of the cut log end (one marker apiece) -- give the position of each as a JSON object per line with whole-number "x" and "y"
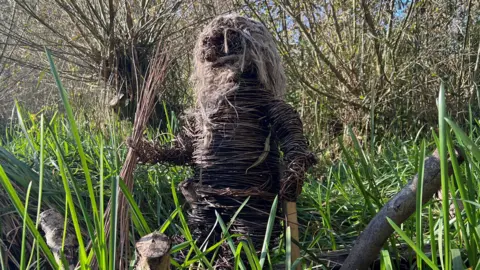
{"x": 153, "y": 252}
{"x": 52, "y": 223}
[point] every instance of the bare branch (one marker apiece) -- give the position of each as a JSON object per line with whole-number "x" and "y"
{"x": 399, "y": 208}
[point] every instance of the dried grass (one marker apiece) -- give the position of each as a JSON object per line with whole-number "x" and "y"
{"x": 155, "y": 78}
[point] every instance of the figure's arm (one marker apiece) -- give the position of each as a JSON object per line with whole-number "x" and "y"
{"x": 288, "y": 130}
{"x": 180, "y": 153}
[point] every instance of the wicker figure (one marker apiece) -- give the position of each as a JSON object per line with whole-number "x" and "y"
{"x": 241, "y": 138}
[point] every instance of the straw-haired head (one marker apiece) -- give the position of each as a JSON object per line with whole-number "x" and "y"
{"x": 232, "y": 45}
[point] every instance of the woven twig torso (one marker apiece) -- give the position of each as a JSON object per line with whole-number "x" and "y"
{"x": 236, "y": 163}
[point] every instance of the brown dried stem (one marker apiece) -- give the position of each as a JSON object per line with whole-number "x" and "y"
{"x": 155, "y": 78}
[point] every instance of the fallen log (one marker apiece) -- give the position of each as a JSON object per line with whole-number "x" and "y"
{"x": 399, "y": 209}
{"x": 153, "y": 252}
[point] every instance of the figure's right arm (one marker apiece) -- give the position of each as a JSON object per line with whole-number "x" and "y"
{"x": 180, "y": 153}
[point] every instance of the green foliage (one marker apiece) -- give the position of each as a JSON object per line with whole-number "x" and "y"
{"x": 334, "y": 210}
{"x": 417, "y": 249}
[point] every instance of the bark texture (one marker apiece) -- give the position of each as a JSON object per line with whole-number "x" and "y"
{"x": 52, "y": 223}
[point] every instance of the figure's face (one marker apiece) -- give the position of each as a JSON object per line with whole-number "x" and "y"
{"x": 221, "y": 42}
{"x": 234, "y": 47}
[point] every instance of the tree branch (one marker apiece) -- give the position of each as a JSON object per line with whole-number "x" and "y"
{"x": 399, "y": 209}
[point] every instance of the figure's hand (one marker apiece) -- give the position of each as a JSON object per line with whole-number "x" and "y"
{"x": 143, "y": 149}
{"x": 311, "y": 160}
{"x": 129, "y": 142}
{"x": 292, "y": 179}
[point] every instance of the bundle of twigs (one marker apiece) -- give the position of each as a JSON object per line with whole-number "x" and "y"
{"x": 150, "y": 89}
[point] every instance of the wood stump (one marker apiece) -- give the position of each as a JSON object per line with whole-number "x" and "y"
{"x": 153, "y": 252}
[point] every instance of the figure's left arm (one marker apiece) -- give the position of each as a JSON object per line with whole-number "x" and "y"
{"x": 287, "y": 128}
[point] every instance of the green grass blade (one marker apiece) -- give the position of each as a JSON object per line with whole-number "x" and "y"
{"x": 226, "y": 233}
{"x": 467, "y": 142}
{"x": 136, "y": 211}
{"x": 418, "y": 213}
{"x": 86, "y": 216}
{"x": 2, "y": 263}
{"x": 186, "y": 230}
{"x": 251, "y": 257}
{"x": 457, "y": 262}
{"x": 73, "y": 212}
{"x": 113, "y": 224}
{"x": 213, "y": 247}
{"x": 179, "y": 247}
{"x": 411, "y": 244}
{"x": 63, "y": 259}
{"x": 460, "y": 224}
{"x": 440, "y": 244}
{"x": 21, "y": 122}
{"x": 21, "y": 210}
{"x": 169, "y": 124}
{"x": 367, "y": 170}
{"x": 431, "y": 227}
{"x": 169, "y": 220}
{"x": 357, "y": 178}
{"x": 386, "y": 260}
{"x": 41, "y": 179}
{"x": 472, "y": 236}
{"x": 23, "y": 252}
{"x": 237, "y": 255}
{"x": 443, "y": 151}
{"x": 268, "y": 233}
{"x": 101, "y": 235}
{"x": 460, "y": 181}
{"x": 476, "y": 204}
{"x": 232, "y": 220}
{"x": 76, "y": 136}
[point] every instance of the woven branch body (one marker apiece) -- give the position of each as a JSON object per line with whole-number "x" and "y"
{"x": 245, "y": 141}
